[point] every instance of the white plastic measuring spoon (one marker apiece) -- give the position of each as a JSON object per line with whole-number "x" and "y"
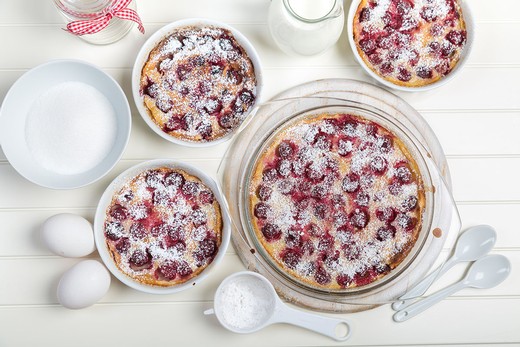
{"x": 473, "y": 244}
{"x": 262, "y": 307}
{"x": 484, "y": 273}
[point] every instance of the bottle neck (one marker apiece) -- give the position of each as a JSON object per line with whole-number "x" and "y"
{"x": 313, "y": 11}
{"x": 83, "y": 8}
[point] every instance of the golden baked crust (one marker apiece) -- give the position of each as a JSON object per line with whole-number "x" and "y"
{"x": 336, "y": 201}
{"x": 198, "y": 84}
{"x": 163, "y": 227}
{"x": 410, "y": 43}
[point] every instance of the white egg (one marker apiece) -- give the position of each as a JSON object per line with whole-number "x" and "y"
{"x": 83, "y": 285}
{"x": 68, "y": 235}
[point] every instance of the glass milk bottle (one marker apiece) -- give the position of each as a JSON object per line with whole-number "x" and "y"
{"x": 93, "y": 10}
{"x": 305, "y": 27}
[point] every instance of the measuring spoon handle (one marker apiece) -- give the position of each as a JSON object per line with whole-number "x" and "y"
{"x": 321, "y": 324}
{"x": 420, "y": 288}
{"x": 422, "y": 305}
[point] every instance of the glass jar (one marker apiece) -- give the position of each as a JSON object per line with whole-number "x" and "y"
{"x": 305, "y": 27}
{"x": 82, "y": 10}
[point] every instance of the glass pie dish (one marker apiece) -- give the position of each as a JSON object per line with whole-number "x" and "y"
{"x": 440, "y": 224}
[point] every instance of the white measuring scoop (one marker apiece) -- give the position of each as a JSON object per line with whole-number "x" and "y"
{"x": 472, "y": 245}
{"x": 246, "y": 302}
{"x": 484, "y": 273}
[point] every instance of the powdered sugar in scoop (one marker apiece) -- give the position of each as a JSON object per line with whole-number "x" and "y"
{"x": 245, "y": 304}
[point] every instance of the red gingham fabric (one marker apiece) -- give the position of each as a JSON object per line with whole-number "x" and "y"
{"x": 118, "y": 9}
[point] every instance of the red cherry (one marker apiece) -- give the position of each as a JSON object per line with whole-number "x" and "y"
{"x": 393, "y": 20}
{"x": 284, "y": 168}
{"x": 403, "y": 173}
{"x": 167, "y": 271}
{"x": 434, "y": 47}
{"x": 447, "y": 50}
{"x": 343, "y": 280}
{"x": 320, "y": 211}
{"x": 359, "y": 218}
{"x": 314, "y": 174}
{"x": 322, "y": 276}
{"x": 308, "y": 247}
{"x": 386, "y": 214}
{"x": 286, "y": 149}
{"x": 410, "y": 203}
{"x": 206, "y": 197}
{"x": 350, "y": 183}
{"x": 365, "y": 278}
{"x": 137, "y": 230}
{"x": 154, "y": 178}
{"x": 151, "y": 89}
{"x": 264, "y": 192}
{"x": 123, "y": 245}
{"x": 246, "y": 97}
{"x": 424, "y": 72}
{"x": 322, "y": 142}
{"x": 183, "y": 71}
{"x": 315, "y": 230}
{"x": 114, "y": 230}
{"x": 436, "y": 30}
{"x": 174, "y": 180}
{"x": 234, "y": 76}
{"x": 291, "y": 258}
{"x": 140, "y": 258}
{"x": 429, "y": 14}
{"x": 183, "y": 268}
{"x": 406, "y": 222}
{"x": 395, "y": 187}
{"x": 269, "y": 175}
{"x": 271, "y": 232}
{"x": 384, "y": 42}
{"x": 205, "y": 131}
{"x": 367, "y": 45}
{"x": 375, "y": 59}
{"x": 364, "y": 15}
{"x": 174, "y": 123}
{"x": 213, "y": 106}
{"x": 285, "y": 187}
{"x": 403, "y": 74}
{"x": 457, "y": 37}
{"x": 262, "y": 210}
{"x": 386, "y": 68}
{"x": 319, "y": 191}
{"x": 208, "y": 247}
{"x": 378, "y": 165}
{"x": 190, "y": 188}
{"x": 326, "y": 243}
{"x": 385, "y": 232}
{"x": 362, "y": 199}
{"x": 199, "y": 217}
{"x": 227, "y": 120}
{"x": 345, "y": 147}
{"x": 443, "y": 67}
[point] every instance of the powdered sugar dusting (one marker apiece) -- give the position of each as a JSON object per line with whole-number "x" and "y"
{"x": 410, "y": 41}
{"x": 162, "y": 231}
{"x": 343, "y": 216}
{"x": 199, "y": 83}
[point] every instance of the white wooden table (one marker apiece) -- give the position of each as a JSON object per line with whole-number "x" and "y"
{"x": 476, "y": 117}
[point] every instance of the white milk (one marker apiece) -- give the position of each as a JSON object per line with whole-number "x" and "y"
{"x": 305, "y": 27}
{"x": 311, "y": 9}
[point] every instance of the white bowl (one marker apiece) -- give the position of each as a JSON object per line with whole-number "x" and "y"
{"x": 157, "y": 37}
{"x": 20, "y": 99}
{"x": 116, "y": 185}
{"x": 470, "y": 29}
